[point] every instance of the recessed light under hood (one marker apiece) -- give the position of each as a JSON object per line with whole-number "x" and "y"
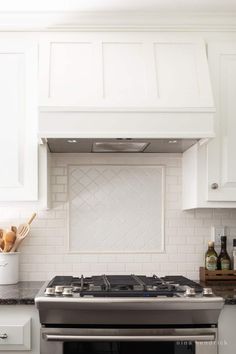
{"x": 119, "y": 146}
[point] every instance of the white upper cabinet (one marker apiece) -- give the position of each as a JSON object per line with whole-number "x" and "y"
{"x": 209, "y": 170}
{"x": 222, "y": 150}
{"x": 124, "y": 70}
{"x": 18, "y": 121}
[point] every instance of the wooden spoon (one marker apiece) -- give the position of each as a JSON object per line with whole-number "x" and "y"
{"x": 9, "y": 240}
{"x": 22, "y": 232}
{"x": 1, "y": 240}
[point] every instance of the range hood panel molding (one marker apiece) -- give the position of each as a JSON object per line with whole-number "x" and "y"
{"x": 68, "y": 124}
{"x": 125, "y": 85}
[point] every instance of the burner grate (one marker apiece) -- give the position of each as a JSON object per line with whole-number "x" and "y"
{"x": 182, "y": 281}
{"x": 126, "y": 285}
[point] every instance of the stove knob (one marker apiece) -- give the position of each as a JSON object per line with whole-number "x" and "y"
{"x": 207, "y": 292}
{"x": 59, "y": 289}
{"x": 50, "y": 291}
{"x": 190, "y": 292}
{"x": 67, "y": 292}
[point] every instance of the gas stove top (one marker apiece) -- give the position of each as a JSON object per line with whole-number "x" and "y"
{"x": 126, "y": 299}
{"x": 122, "y": 286}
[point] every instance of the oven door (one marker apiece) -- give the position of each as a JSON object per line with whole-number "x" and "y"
{"x": 128, "y": 341}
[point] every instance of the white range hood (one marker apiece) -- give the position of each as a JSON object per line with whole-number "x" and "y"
{"x": 139, "y": 85}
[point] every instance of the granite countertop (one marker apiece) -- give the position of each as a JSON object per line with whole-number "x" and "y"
{"x": 22, "y": 293}
{"x": 225, "y": 289}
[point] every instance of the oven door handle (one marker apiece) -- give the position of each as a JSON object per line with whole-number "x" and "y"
{"x": 161, "y": 338}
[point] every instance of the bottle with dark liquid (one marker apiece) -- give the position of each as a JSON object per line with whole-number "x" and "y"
{"x": 223, "y": 262}
{"x": 211, "y": 257}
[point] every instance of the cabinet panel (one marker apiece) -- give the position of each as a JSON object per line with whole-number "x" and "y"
{"x": 181, "y": 73}
{"x": 72, "y": 71}
{"x": 11, "y": 109}
{"x": 18, "y": 121}
{"x": 228, "y": 126}
{"x": 221, "y": 151}
{"x": 123, "y": 72}
{"x": 176, "y": 71}
{"x": 21, "y": 325}
{"x": 18, "y": 335}
{"x": 227, "y": 324}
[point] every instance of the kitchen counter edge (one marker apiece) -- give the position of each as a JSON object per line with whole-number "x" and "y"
{"x": 22, "y": 293}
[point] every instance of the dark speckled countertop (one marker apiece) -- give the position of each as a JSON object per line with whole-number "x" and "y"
{"x": 225, "y": 289}
{"x": 22, "y": 293}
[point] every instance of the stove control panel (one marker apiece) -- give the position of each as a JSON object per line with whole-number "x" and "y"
{"x": 50, "y": 291}
{"x": 207, "y": 292}
{"x": 190, "y": 292}
{"x": 59, "y": 291}
{"x": 67, "y": 292}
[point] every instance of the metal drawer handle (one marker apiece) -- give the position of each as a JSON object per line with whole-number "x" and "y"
{"x": 3, "y": 336}
{"x": 161, "y": 338}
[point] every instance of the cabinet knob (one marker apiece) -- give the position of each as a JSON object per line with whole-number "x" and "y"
{"x": 3, "y": 336}
{"x": 214, "y": 186}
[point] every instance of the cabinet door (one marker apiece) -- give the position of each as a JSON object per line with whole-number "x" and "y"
{"x": 221, "y": 150}
{"x": 227, "y": 325}
{"x": 18, "y": 121}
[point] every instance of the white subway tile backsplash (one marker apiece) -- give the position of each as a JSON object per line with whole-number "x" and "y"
{"x": 56, "y": 223}
{"x": 54, "y": 259}
{"x": 63, "y": 267}
{"x": 58, "y": 171}
{"x": 89, "y": 258}
{"x": 172, "y": 181}
{"x": 61, "y": 179}
{"x": 133, "y": 267}
{"x": 110, "y": 258}
{"x": 36, "y": 276}
{"x": 58, "y": 188}
{"x": 116, "y": 267}
{"x": 195, "y": 240}
{"x": 171, "y": 249}
{"x": 81, "y": 268}
{"x": 61, "y": 197}
{"x": 176, "y": 258}
{"x": 159, "y": 258}
{"x": 177, "y": 240}
{"x": 44, "y": 253}
{"x": 184, "y": 249}
{"x": 150, "y": 268}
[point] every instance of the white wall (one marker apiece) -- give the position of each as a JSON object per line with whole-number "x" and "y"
{"x": 44, "y": 253}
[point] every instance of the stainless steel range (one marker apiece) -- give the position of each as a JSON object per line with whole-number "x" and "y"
{"x": 125, "y": 314}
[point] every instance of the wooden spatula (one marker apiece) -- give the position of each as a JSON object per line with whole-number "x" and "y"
{"x": 22, "y": 232}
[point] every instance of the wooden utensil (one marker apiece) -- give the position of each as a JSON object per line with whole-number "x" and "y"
{"x": 22, "y": 232}
{"x": 1, "y": 240}
{"x": 31, "y": 219}
{"x": 9, "y": 240}
{"x": 14, "y": 229}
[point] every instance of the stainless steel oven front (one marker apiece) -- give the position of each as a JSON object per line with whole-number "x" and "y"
{"x": 128, "y": 340}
